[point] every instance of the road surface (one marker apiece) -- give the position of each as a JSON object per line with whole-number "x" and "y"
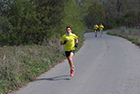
{"x": 104, "y": 65}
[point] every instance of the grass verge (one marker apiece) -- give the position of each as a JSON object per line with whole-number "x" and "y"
{"x": 22, "y": 64}
{"x": 130, "y": 34}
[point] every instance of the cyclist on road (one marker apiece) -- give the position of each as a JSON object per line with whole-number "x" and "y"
{"x": 70, "y": 41}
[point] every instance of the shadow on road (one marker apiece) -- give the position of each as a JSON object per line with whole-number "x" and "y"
{"x": 63, "y": 77}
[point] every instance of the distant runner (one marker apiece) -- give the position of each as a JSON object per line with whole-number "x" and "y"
{"x": 95, "y": 29}
{"x": 101, "y": 27}
{"x": 70, "y": 41}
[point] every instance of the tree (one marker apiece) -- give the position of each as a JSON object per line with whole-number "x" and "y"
{"x": 73, "y": 16}
{"x": 30, "y": 21}
{"x": 116, "y": 10}
{"x": 95, "y": 14}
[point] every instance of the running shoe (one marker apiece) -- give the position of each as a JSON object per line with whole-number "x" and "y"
{"x": 72, "y": 73}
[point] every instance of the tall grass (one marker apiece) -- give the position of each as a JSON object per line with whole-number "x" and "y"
{"x": 22, "y": 64}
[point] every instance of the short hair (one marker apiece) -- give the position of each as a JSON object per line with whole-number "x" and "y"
{"x": 68, "y": 27}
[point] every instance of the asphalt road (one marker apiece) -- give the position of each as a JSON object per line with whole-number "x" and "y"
{"x": 104, "y": 65}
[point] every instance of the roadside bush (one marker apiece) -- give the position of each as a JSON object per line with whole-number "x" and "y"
{"x": 29, "y": 22}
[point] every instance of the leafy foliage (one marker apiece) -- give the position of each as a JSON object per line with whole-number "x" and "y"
{"x": 116, "y": 11}
{"x": 28, "y": 21}
{"x": 95, "y": 14}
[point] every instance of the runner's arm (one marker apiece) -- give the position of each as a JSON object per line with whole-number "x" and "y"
{"x": 76, "y": 42}
{"x": 61, "y": 43}
{"x": 63, "y": 40}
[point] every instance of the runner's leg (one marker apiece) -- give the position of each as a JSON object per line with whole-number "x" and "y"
{"x": 70, "y": 60}
{"x": 95, "y": 33}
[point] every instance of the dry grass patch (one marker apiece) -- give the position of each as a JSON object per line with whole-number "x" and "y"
{"x": 131, "y": 34}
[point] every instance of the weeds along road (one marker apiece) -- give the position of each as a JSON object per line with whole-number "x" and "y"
{"x": 104, "y": 65}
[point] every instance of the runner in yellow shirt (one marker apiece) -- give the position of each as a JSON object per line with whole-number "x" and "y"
{"x": 70, "y": 41}
{"x": 101, "y": 27}
{"x": 95, "y": 29}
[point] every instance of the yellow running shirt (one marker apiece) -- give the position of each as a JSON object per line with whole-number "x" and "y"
{"x": 70, "y": 44}
{"x": 96, "y": 27}
{"x": 101, "y": 27}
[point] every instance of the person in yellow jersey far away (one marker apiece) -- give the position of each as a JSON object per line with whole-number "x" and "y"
{"x": 101, "y": 27}
{"x": 95, "y": 29}
{"x": 70, "y": 41}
